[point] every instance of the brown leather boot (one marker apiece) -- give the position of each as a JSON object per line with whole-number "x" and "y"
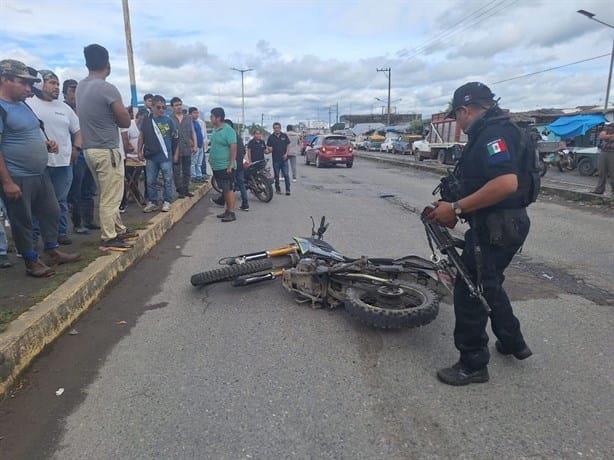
{"x": 57, "y": 257}
{"x": 38, "y": 269}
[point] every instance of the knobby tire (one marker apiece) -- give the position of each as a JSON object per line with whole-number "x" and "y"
{"x": 229, "y": 272}
{"x": 418, "y": 306}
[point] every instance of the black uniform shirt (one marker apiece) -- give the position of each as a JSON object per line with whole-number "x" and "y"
{"x": 257, "y": 148}
{"x": 492, "y": 151}
{"x": 279, "y": 145}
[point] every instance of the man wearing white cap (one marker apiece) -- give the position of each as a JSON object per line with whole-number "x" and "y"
{"x": 60, "y": 122}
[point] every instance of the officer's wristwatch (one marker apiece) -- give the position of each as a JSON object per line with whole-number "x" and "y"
{"x": 456, "y": 208}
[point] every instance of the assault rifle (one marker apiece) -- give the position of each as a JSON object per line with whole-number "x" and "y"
{"x": 447, "y": 244}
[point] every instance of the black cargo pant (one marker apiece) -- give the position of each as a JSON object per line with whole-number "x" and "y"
{"x": 182, "y": 174}
{"x": 470, "y": 335}
{"x": 37, "y": 199}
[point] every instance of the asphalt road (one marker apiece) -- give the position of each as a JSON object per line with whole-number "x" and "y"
{"x": 160, "y": 369}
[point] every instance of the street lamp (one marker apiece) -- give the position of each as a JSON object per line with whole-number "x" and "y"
{"x": 591, "y": 16}
{"x": 389, "y": 102}
{"x": 242, "y": 94}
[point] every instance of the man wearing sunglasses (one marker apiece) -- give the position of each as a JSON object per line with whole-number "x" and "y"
{"x": 493, "y": 200}
{"x": 158, "y": 143}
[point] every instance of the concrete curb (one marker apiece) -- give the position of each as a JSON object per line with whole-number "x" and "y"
{"x": 441, "y": 170}
{"x": 29, "y": 334}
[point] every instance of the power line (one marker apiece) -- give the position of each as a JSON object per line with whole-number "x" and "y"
{"x": 549, "y": 69}
{"x": 470, "y": 20}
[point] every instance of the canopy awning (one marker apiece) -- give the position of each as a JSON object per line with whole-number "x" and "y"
{"x": 567, "y": 127}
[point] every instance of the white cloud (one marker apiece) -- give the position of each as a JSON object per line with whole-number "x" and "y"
{"x": 310, "y": 55}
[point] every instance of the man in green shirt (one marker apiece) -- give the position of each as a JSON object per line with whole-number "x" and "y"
{"x": 222, "y": 156}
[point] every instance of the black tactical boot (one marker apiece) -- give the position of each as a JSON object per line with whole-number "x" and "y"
{"x": 521, "y": 353}
{"x": 459, "y": 375}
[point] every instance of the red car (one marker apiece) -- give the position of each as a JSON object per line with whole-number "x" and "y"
{"x": 330, "y": 149}
{"x": 306, "y": 141}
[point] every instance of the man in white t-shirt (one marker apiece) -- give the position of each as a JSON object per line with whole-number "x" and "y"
{"x": 60, "y": 122}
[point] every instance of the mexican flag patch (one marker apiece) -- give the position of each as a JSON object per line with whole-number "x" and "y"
{"x": 496, "y": 146}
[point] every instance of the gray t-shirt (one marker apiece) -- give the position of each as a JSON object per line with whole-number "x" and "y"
{"x": 99, "y": 129}
{"x": 23, "y": 144}
{"x": 295, "y": 143}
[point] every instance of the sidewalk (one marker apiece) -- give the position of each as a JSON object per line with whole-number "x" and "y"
{"x": 33, "y": 312}
{"x": 569, "y": 185}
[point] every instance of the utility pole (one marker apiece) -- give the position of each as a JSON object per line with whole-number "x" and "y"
{"x": 242, "y": 93}
{"x": 591, "y": 16}
{"x": 388, "y": 72}
{"x": 129, "y": 52}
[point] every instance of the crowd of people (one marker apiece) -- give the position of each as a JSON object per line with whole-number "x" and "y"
{"x": 56, "y": 156}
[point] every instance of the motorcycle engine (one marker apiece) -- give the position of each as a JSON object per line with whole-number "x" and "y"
{"x": 306, "y": 280}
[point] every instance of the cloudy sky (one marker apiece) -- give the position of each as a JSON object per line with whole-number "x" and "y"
{"x": 310, "y": 56}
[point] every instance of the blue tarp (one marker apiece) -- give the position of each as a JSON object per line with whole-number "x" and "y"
{"x": 577, "y": 125}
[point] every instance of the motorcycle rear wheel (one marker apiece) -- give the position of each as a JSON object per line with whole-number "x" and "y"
{"x": 263, "y": 189}
{"x": 229, "y": 272}
{"x": 406, "y": 305}
{"x": 214, "y": 185}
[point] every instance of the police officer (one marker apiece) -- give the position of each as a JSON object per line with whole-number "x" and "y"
{"x": 492, "y": 202}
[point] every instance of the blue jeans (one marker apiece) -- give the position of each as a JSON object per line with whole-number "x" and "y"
{"x": 203, "y": 165}
{"x": 61, "y": 178}
{"x": 4, "y": 245}
{"x": 153, "y": 169}
{"x": 240, "y": 177}
{"x": 283, "y": 167}
{"x": 197, "y": 161}
{"x": 81, "y": 194}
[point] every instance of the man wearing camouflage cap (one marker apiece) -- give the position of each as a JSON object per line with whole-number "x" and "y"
{"x": 26, "y": 188}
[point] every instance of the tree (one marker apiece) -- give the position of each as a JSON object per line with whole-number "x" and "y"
{"x": 417, "y": 126}
{"x": 254, "y": 126}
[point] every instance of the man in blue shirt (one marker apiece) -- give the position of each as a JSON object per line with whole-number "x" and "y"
{"x": 26, "y": 187}
{"x": 197, "y": 158}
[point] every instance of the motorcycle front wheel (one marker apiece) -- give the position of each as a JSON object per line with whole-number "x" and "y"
{"x": 230, "y": 272}
{"x": 403, "y": 305}
{"x": 262, "y": 188}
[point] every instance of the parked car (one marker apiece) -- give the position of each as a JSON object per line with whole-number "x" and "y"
{"x": 306, "y": 141}
{"x": 422, "y": 150}
{"x": 372, "y": 144}
{"x": 330, "y": 149}
{"x": 387, "y": 146}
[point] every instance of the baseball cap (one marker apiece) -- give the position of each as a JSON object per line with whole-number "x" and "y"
{"x": 43, "y": 75}
{"x": 18, "y": 69}
{"x": 469, "y": 93}
{"x": 69, "y": 84}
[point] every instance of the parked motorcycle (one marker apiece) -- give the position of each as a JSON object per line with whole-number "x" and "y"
{"x": 258, "y": 180}
{"x": 381, "y": 292}
{"x": 547, "y": 160}
{"x": 566, "y": 160}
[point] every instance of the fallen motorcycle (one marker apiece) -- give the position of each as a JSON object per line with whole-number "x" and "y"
{"x": 257, "y": 179}
{"x": 384, "y": 293}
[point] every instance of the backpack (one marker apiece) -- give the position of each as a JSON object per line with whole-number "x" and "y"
{"x": 529, "y": 179}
